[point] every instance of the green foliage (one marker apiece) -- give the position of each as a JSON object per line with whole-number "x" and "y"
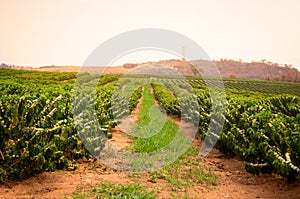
{"x": 265, "y": 134}
{"x": 36, "y": 135}
{"x": 252, "y": 85}
{"x": 125, "y": 97}
{"x": 38, "y": 132}
{"x": 105, "y": 79}
{"x": 165, "y": 99}
{"x": 262, "y": 129}
{"x": 37, "y": 128}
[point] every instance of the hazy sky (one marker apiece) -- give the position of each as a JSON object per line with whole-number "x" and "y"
{"x": 65, "y": 32}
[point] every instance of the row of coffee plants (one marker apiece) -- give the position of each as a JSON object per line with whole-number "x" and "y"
{"x": 37, "y": 124}
{"x": 263, "y": 132}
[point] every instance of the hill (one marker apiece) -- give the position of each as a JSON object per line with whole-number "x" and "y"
{"x": 258, "y": 70}
{"x": 228, "y": 68}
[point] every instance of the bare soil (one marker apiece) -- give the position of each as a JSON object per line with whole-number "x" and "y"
{"x": 233, "y": 182}
{"x": 119, "y": 138}
{"x": 104, "y": 70}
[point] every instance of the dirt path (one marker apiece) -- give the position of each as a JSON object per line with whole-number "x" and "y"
{"x": 123, "y": 87}
{"x": 105, "y": 85}
{"x": 235, "y": 182}
{"x": 119, "y": 138}
{"x": 59, "y": 183}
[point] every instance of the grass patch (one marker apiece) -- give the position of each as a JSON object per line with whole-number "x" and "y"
{"x": 154, "y": 129}
{"x": 147, "y": 103}
{"x": 159, "y": 140}
{"x": 113, "y": 191}
{"x": 185, "y": 172}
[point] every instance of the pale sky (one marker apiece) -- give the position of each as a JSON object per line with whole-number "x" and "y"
{"x": 65, "y": 32}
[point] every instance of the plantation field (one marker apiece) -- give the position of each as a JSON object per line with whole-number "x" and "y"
{"x": 51, "y": 122}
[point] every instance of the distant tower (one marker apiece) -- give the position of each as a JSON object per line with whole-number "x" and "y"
{"x": 183, "y": 53}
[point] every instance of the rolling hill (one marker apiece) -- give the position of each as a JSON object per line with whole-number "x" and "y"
{"x": 228, "y": 68}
